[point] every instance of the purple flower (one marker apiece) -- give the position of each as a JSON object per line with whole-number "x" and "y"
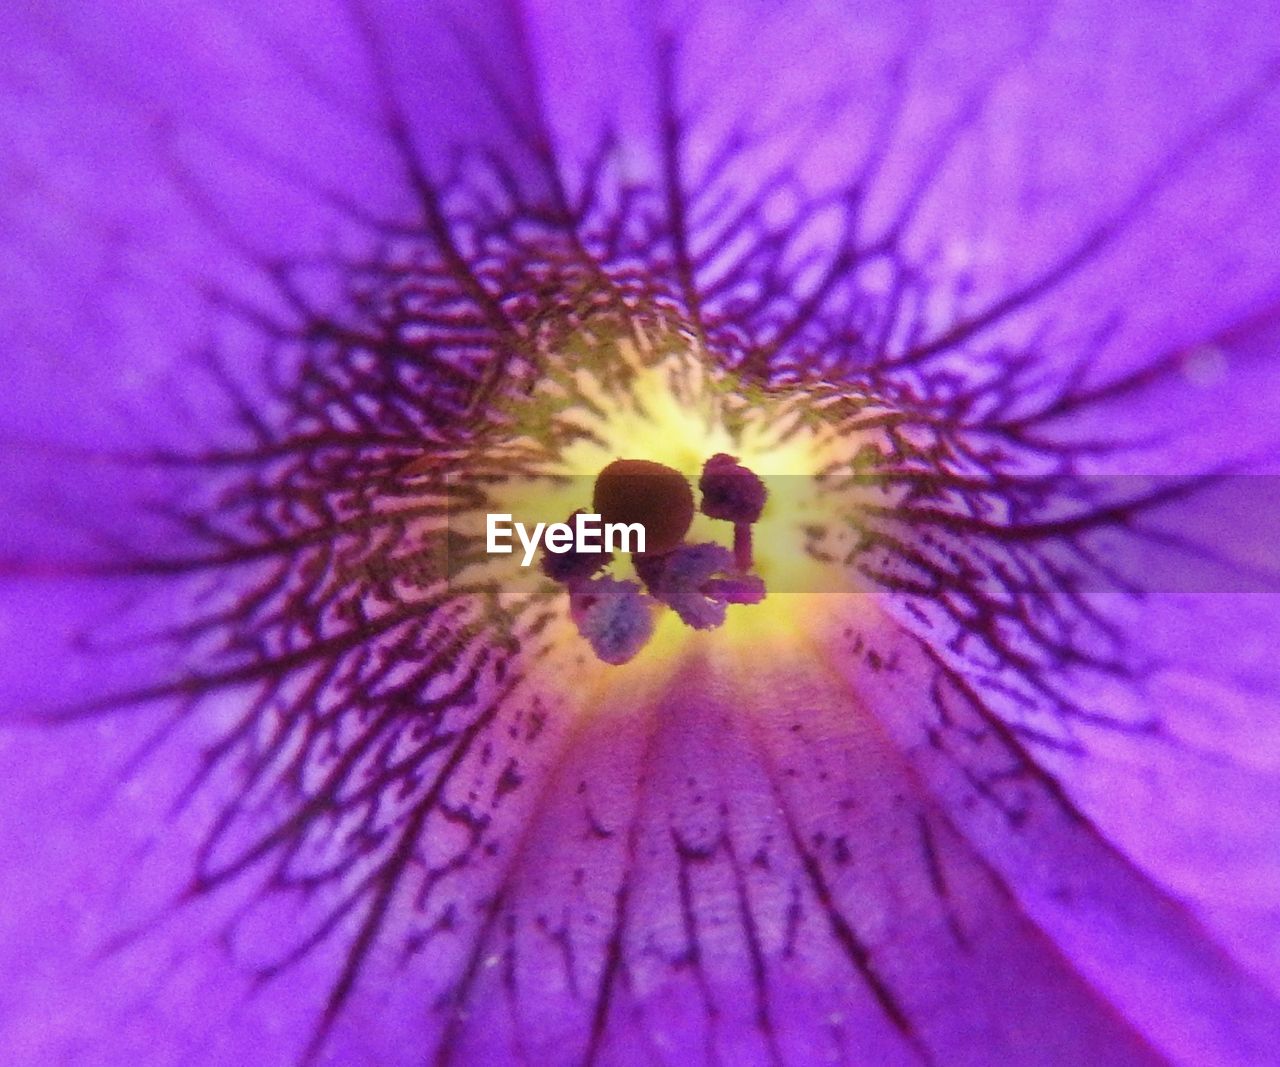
{"x": 943, "y": 757}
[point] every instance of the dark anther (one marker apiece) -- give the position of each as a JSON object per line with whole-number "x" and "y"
{"x": 572, "y": 566}
{"x": 731, "y": 491}
{"x": 654, "y": 495}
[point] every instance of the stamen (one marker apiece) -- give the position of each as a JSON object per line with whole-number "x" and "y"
{"x": 691, "y": 580}
{"x": 652, "y": 494}
{"x": 731, "y": 491}
{"x": 615, "y": 617}
{"x": 697, "y": 581}
{"x": 574, "y": 565}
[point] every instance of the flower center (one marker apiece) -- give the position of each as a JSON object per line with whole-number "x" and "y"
{"x": 741, "y": 488}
